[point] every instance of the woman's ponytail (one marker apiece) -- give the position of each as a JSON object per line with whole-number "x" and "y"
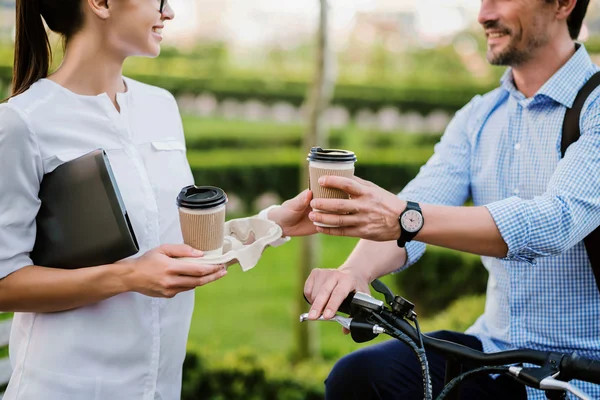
{"x": 32, "y": 47}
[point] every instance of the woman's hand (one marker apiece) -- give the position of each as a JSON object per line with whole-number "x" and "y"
{"x": 371, "y": 213}
{"x": 159, "y": 274}
{"x": 292, "y": 216}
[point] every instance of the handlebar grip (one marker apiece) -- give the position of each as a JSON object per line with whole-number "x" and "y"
{"x": 577, "y": 367}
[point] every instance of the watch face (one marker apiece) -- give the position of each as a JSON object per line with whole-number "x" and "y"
{"x": 412, "y": 221}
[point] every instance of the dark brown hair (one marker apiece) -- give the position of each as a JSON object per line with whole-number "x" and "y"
{"x": 575, "y": 20}
{"x": 32, "y": 47}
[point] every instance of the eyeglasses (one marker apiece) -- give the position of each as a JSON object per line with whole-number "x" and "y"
{"x": 163, "y": 3}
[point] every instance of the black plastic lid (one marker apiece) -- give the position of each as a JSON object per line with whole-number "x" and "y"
{"x": 331, "y": 155}
{"x": 201, "y": 197}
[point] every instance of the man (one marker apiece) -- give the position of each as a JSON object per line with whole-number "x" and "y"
{"x": 532, "y": 211}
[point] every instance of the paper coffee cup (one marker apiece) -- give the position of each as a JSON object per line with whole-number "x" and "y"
{"x": 202, "y": 218}
{"x": 331, "y": 162}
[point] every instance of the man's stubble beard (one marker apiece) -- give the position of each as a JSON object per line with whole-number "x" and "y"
{"x": 513, "y": 56}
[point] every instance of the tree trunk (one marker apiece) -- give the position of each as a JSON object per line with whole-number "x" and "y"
{"x": 319, "y": 98}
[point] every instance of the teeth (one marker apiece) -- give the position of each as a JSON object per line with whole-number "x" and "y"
{"x": 495, "y": 35}
{"x": 157, "y": 30}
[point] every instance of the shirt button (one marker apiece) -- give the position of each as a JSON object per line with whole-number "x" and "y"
{"x": 516, "y": 191}
{"x": 518, "y": 146}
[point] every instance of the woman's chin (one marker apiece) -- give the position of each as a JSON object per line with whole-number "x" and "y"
{"x": 151, "y": 51}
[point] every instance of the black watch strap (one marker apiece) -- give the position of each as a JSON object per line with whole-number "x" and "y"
{"x": 406, "y": 236}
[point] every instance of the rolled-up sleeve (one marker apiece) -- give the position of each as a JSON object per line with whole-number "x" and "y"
{"x": 445, "y": 178}
{"x": 21, "y": 172}
{"x": 568, "y": 211}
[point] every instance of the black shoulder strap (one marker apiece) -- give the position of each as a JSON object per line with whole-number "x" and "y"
{"x": 570, "y": 133}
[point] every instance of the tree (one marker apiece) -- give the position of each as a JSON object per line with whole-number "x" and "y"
{"x": 318, "y": 99}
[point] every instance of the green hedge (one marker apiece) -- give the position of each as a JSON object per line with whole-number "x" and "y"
{"x": 244, "y": 375}
{"x": 214, "y": 133}
{"x": 208, "y": 134}
{"x": 440, "y": 277}
{"x": 249, "y": 182}
{"x": 288, "y": 156}
{"x": 249, "y": 173}
{"x": 420, "y": 98}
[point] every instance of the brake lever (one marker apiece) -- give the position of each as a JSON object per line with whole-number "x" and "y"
{"x": 554, "y": 384}
{"x": 343, "y": 321}
{"x": 550, "y": 383}
{"x": 380, "y": 287}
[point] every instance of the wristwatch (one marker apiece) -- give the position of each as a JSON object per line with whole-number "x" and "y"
{"x": 411, "y": 221}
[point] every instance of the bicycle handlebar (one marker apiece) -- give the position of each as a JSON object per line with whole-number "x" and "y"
{"x": 572, "y": 366}
{"x": 576, "y": 367}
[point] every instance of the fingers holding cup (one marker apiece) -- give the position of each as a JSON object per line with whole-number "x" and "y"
{"x": 330, "y": 163}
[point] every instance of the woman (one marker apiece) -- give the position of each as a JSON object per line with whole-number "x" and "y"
{"x": 115, "y": 331}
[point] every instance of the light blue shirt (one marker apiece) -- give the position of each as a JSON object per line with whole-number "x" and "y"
{"x": 502, "y": 150}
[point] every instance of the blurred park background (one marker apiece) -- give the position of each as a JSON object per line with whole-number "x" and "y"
{"x": 241, "y": 72}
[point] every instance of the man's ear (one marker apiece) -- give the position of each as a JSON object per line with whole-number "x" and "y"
{"x": 565, "y": 8}
{"x": 100, "y": 8}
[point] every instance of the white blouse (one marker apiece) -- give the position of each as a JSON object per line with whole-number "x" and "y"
{"x": 131, "y": 346}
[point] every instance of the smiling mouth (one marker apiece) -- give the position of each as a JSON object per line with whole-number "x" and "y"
{"x": 496, "y": 35}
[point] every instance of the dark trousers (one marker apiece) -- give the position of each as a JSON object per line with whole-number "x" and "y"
{"x": 391, "y": 371}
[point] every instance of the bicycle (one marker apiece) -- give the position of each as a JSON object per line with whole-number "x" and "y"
{"x": 370, "y": 317}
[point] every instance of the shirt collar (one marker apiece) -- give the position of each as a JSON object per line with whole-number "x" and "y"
{"x": 564, "y": 85}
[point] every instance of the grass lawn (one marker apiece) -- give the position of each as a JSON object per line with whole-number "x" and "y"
{"x": 256, "y": 309}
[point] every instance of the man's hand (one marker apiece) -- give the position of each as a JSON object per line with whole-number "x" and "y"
{"x": 326, "y": 289}
{"x": 292, "y": 216}
{"x": 371, "y": 213}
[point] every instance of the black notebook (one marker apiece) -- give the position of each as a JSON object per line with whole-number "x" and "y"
{"x": 82, "y": 221}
